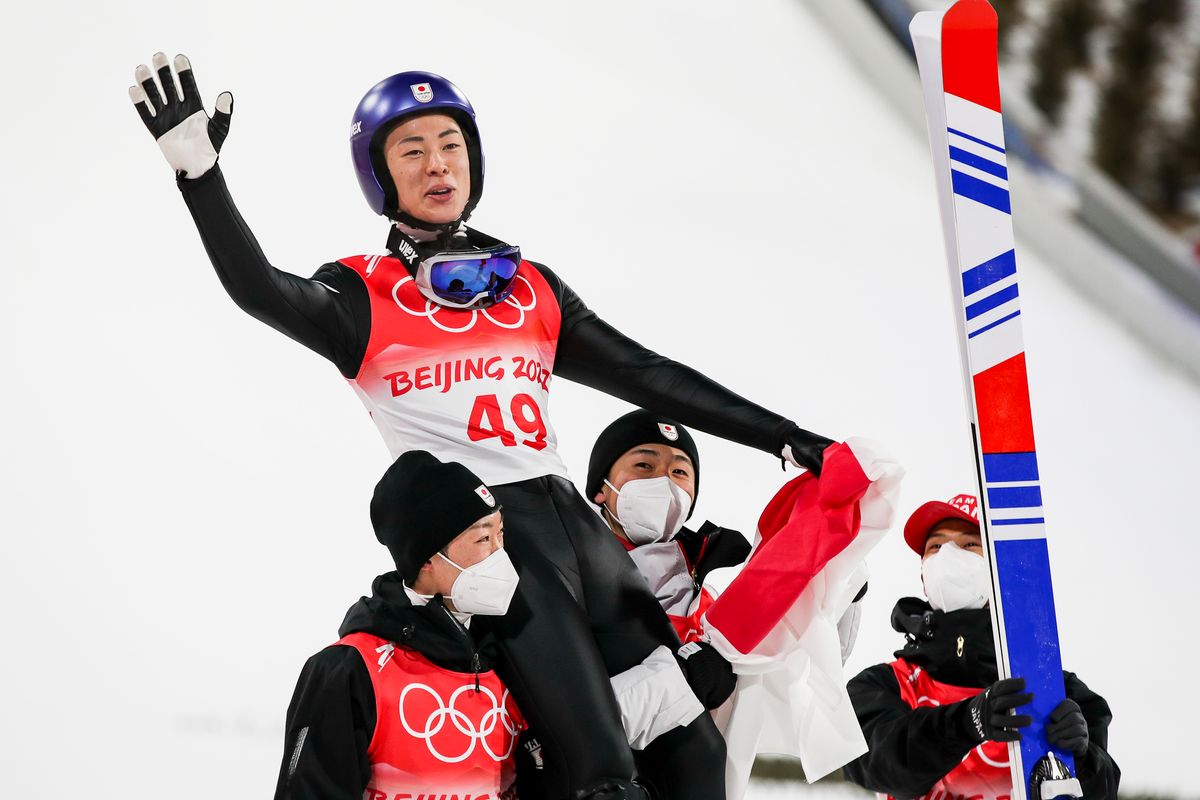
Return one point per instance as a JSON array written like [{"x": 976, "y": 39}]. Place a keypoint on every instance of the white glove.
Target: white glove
[
  {"x": 654, "y": 697},
  {"x": 184, "y": 132}
]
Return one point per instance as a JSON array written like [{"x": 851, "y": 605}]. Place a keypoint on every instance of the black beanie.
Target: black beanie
[
  {"x": 626, "y": 433},
  {"x": 421, "y": 505}
]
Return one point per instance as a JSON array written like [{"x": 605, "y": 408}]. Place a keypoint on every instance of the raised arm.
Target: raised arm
[
  {"x": 329, "y": 313},
  {"x": 594, "y": 353}
]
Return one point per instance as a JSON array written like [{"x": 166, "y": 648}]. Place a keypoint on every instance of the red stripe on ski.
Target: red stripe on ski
[
  {"x": 969, "y": 53},
  {"x": 1002, "y": 401}
]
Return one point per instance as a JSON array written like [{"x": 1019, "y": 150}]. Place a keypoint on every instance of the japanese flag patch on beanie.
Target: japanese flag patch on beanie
[
  {"x": 422, "y": 504},
  {"x": 627, "y": 432}
]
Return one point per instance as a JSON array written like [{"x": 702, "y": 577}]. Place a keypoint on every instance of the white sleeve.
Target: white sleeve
[{"x": 654, "y": 698}]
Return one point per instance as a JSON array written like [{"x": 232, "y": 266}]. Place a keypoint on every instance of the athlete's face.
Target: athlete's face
[
  {"x": 652, "y": 460},
  {"x": 427, "y": 158},
  {"x": 467, "y": 549},
  {"x": 959, "y": 531}
]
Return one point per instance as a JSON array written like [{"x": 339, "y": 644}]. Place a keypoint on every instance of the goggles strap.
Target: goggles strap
[{"x": 406, "y": 248}]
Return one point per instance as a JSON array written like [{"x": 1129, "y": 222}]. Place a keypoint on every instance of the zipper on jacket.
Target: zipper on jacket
[
  {"x": 476, "y": 663},
  {"x": 696, "y": 566},
  {"x": 960, "y": 647}
]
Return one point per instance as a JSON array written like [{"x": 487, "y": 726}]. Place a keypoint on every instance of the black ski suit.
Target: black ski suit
[
  {"x": 582, "y": 612},
  {"x": 909, "y": 750}
]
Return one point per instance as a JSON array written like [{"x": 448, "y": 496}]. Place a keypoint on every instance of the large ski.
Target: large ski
[{"x": 957, "y": 55}]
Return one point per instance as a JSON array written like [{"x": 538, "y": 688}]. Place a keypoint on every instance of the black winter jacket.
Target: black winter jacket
[
  {"x": 331, "y": 718},
  {"x": 911, "y": 750}
]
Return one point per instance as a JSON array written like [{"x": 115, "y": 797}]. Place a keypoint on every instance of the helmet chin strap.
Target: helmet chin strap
[
  {"x": 421, "y": 230},
  {"x": 424, "y": 235}
]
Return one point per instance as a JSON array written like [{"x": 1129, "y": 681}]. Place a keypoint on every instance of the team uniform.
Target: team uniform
[
  {"x": 473, "y": 385},
  {"x": 675, "y": 571},
  {"x": 462, "y": 368},
  {"x": 912, "y": 715},
  {"x": 406, "y": 704}
]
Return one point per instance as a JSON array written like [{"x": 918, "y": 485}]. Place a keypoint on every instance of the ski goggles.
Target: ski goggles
[{"x": 469, "y": 278}]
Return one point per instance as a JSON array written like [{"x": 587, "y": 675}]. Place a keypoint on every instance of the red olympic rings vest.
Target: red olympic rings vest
[
  {"x": 984, "y": 773},
  {"x": 435, "y": 734},
  {"x": 471, "y": 386}
]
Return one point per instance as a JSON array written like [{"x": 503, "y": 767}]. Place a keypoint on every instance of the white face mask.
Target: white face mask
[
  {"x": 956, "y": 579},
  {"x": 485, "y": 588},
  {"x": 651, "y": 509}
]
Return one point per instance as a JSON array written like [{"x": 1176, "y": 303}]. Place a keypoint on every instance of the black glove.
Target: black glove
[
  {"x": 708, "y": 673},
  {"x": 184, "y": 132},
  {"x": 1067, "y": 729},
  {"x": 804, "y": 449},
  {"x": 990, "y": 717}
]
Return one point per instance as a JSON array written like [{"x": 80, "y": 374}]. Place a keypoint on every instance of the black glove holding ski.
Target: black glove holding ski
[
  {"x": 989, "y": 715},
  {"x": 176, "y": 117},
  {"x": 804, "y": 449},
  {"x": 1067, "y": 729},
  {"x": 708, "y": 673}
]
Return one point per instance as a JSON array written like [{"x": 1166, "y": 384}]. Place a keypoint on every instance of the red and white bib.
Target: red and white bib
[
  {"x": 471, "y": 386},
  {"x": 984, "y": 773},
  {"x": 435, "y": 734}
]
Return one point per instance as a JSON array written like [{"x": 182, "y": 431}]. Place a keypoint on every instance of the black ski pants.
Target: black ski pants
[{"x": 582, "y": 612}]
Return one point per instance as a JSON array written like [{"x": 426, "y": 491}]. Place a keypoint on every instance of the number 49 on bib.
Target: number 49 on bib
[{"x": 488, "y": 421}]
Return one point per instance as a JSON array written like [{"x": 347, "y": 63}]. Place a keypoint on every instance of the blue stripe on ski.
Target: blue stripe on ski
[
  {"x": 989, "y": 272},
  {"x": 1026, "y": 521},
  {"x": 992, "y": 325},
  {"x": 978, "y": 162},
  {"x": 980, "y": 191},
  {"x": 1014, "y": 497},
  {"x": 975, "y": 139},
  {"x": 1031, "y": 637},
  {"x": 992, "y": 301},
  {"x": 1010, "y": 467}
]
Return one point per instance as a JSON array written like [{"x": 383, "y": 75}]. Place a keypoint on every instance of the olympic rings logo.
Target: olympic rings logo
[
  {"x": 432, "y": 308},
  {"x": 983, "y": 756},
  {"x": 496, "y": 715}
]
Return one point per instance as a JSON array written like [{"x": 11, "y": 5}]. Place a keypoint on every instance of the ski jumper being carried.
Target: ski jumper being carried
[{"x": 451, "y": 339}]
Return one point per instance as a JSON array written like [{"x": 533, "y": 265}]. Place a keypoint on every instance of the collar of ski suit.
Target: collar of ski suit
[
  {"x": 955, "y": 647},
  {"x": 430, "y": 629}
]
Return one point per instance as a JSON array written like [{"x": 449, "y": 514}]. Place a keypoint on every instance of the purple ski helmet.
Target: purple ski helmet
[{"x": 382, "y": 108}]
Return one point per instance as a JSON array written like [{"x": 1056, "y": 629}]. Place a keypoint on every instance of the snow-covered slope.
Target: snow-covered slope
[{"x": 185, "y": 491}]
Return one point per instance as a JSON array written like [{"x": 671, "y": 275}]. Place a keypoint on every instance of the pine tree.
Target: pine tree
[
  {"x": 1063, "y": 46},
  {"x": 1177, "y": 164},
  {"x": 1011, "y": 14},
  {"x": 1127, "y": 103}
]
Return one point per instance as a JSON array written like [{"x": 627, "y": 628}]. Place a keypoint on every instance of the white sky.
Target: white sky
[{"x": 185, "y": 491}]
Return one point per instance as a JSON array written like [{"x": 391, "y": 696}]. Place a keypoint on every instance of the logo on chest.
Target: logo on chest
[
  {"x": 451, "y": 733},
  {"x": 510, "y": 314}
]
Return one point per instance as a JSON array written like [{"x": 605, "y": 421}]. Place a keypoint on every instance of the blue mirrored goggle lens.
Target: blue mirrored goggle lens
[{"x": 462, "y": 280}]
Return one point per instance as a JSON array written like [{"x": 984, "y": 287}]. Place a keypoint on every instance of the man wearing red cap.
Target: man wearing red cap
[{"x": 937, "y": 719}]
